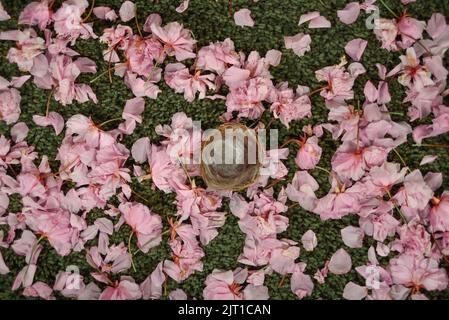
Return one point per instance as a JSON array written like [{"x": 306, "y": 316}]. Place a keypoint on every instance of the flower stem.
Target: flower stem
[
  {"x": 47, "y": 109},
  {"x": 90, "y": 12},
  {"x": 108, "y": 121},
  {"x": 322, "y": 169},
  {"x": 129, "y": 250},
  {"x": 395, "y": 206},
  {"x": 388, "y": 8},
  {"x": 137, "y": 24}
]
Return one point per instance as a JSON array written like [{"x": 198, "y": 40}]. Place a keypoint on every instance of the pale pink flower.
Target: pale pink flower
[
  {"x": 413, "y": 74},
  {"x": 68, "y": 21},
  {"x": 287, "y": 106},
  {"x": 178, "y": 77},
  {"x": 28, "y": 53},
  {"x": 222, "y": 285},
  {"x": 186, "y": 260},
  {"x": 218, "y": 56},
  {"x": 415, "y": 193},
  {"x": 282, "y": 260},
  {"x": 309, "y": 153},
  {"x": 417, "y": 272},
  {"x": 146, "y": 225},
  {"x": 413, "y": 239},
  {"x": 125, "y": 289},
  {"x": 339, "y": 83},
  {"x": 247, "y": 99},
  {"x": 386, "y": 31},
  {"x": 142, "y": 54},
  {"x": 177, "y": 41},
  {"x": 36, "y": 13},
  {"x": 338, "y": 203}
]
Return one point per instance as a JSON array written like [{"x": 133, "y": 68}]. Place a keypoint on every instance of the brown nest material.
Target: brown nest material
[{"x": 243, "y": 169}]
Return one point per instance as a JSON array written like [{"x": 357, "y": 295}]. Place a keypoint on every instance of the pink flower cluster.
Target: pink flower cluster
[{"x": 403, "y": 210}]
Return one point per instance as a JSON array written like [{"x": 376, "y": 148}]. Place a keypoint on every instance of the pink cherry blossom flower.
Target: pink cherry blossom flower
[
  {"x": 282, "y": 260},
  {"x": 338, "y": 203},
  {"x": 413, "y": 239},
  {"x": 218, "y": 56},
  {"x": 186, "y": 260},
  {"x": 339, "y": 83},
  {"x": 28, "y": 51},
  {"x": 69, "y": 23},
  {"x": 386, "y": 31},
  {"x": 417, "y": 272},
  {"x": 144, "y": 224},
  {"x": 201, "y": 207},
  {"x": 177, "y": 41},
  {"x": 142, "y": 54},
  {"x": 352, "y": 236},
  {"x": 178, "y": 77},
  {"x": 287, "y": 106},
  {"x": 221, "y": 285},
  {"x": 36, "y": 13},
  {"x": 416, "y": 193},
  {"x": 309, "y": 153},
  {"x": 125, "y": 289}
]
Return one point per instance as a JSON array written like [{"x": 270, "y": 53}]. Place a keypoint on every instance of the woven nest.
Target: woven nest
[{"x": 236, "y": 175}]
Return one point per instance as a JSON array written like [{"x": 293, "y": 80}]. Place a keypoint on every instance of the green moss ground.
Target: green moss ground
[{"x": 209, "y": 21}]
